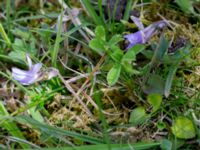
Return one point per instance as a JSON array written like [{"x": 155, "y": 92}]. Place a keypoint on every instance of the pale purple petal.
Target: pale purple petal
[
  {"x": 143, "y": 36},
  {"x": 19, "y": 74},
  {"x": 137, "y": 22},
  {"x": 134, "y": 38},
  {"x": 34, "y": 74},
  {"x": 36, "y": 68},
  {"x": 27, "y": 77},
  {"x": 148, "y": 33},
  {"x": 29, "y": 61}
]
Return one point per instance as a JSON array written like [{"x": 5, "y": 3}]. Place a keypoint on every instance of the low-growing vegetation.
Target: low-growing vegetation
[{"x": 104, "y": 74}]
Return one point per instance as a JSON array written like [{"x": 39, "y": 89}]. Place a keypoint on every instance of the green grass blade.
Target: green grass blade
[
  {"x": 8, "y": 4},
  {"x": 97, "y": 97},
  {"x": 35, "y": 17},
  {"x": 100, "y": 9},
  {"x": 18, "y": 140},
  {"x": 128, "y": 10},
  {"x": 4, "y": 35},
  {"x": 90, "y": 9},
  {"x": 55, "y": 131},
  {"x": 136, "y": 146},
  {"x": 57, "y": 43},
  {"x": 35, "y": 113},
  {"x": 169, "y": 80},
  {"x": 160, "y": 51},
  {"x": 10, "y": 126}
]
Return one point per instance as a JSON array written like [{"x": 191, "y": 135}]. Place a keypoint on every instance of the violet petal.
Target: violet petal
[
  {"x": 36, "y": 68},
  {"x": 143, "y": 36},
  {"x": 27, "y": 77},
  {"x": 137, "y": 22},
  {"x": 134, "y": 38},
  {"x": 29, "y": 61}
]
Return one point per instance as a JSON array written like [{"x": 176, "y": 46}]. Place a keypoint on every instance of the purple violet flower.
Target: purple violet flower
[
  {"x": 30, "y": 76},
  {"x": 144, "y": 34},
  {"x": 34, "y": 74}
]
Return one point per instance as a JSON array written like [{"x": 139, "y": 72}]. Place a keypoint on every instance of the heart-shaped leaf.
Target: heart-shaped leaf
[
  {"x": 183, "y": 128},
  {"x": 186, "y": 6},
  {"x": 138, "y": 116},
  {"x": 155, "y": 100}
]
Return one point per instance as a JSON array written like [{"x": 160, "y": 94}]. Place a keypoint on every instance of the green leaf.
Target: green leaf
[
  {"x": 160, "y": 51},
  {"x": 129, "y": 56},
  {"x": 91, "y": 11},
  {"x": 113, "y": 74},
  {"x": 18, "y": 56},
  {"x": 138, "y": 48},
  {"x": 115, "y": 39},
  {"x": 183, "y": 128},
  {"x": 169, "y": 80},
  {"x": 4, "y": 35},
  {"x": 178, "y": 56},
  {"x": 23, "y": 34},
  {"x": 97, "y": 46},
  {"x": 116, "y": 53},
  {"x": 35, "y": 113},
  {"x": 100, "y": 33},
  {"x": 128, "y": 67},
  {"x": 128, "y": 9},
  {"x": 155, "y": 100},
  {"x": 134, "y": 146},
  {"x": 132, "y": 52},
  {"x": 186, "y": 6},
  {"x": 155, "y": 84},
  {"x": 138, "y": 116},
  {"x": 20, "y": 45},
  {"x": 166, "y": 144},
  {"x": 56, "y": 132}
]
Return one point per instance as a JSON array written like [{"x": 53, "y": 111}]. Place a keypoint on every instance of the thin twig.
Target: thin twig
[
  {"x": 67, "y": 85},
  {"x": 92, "y": 74}
]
